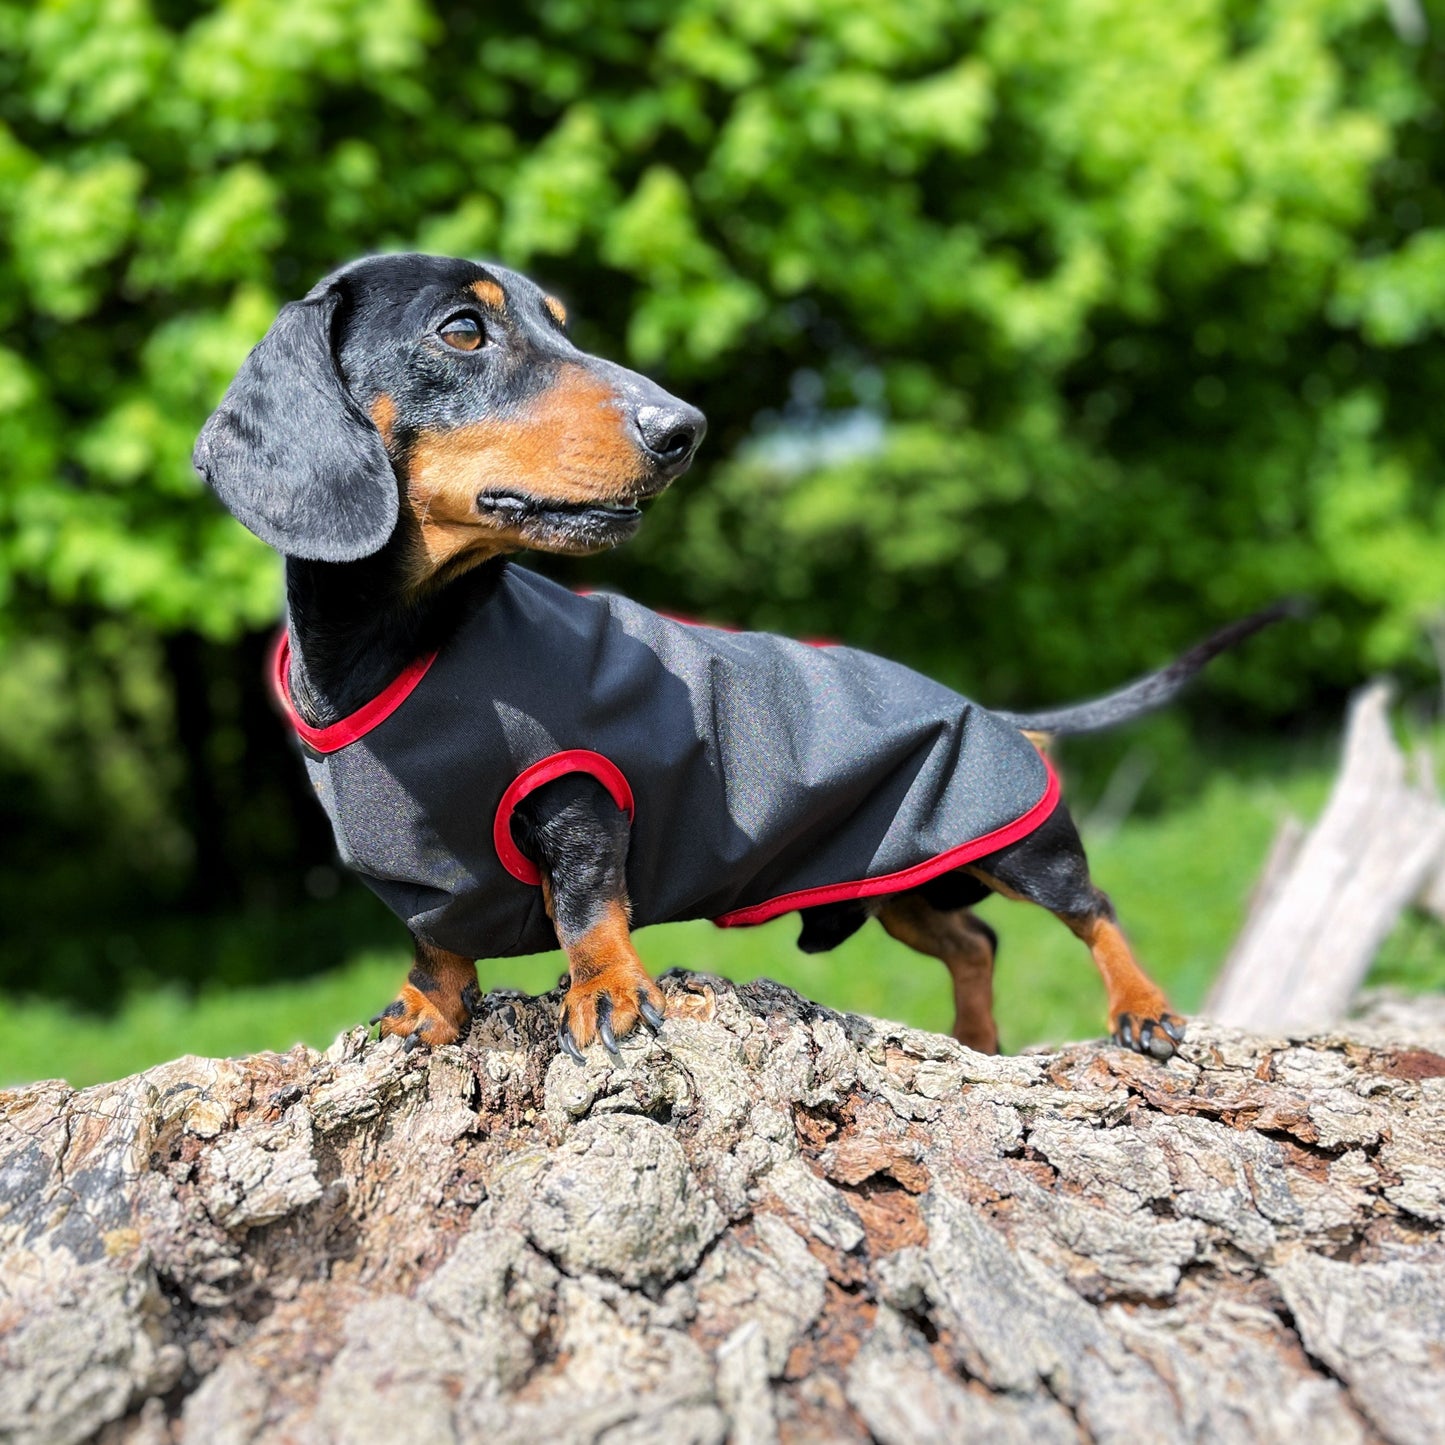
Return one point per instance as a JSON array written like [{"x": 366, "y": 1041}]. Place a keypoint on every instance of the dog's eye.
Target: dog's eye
[{"x": 463, "y": 332}]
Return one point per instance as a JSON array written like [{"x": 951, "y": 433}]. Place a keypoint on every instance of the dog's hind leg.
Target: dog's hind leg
[
  {"x": 1049, "y": 868},
  {"x": 578, "y": 837},
  {"x": 436, "y": 1001},
  {"x": 966, "y": 946}
]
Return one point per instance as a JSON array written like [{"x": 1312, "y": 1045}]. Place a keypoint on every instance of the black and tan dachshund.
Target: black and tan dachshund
[{"x": 396, "y": 436}]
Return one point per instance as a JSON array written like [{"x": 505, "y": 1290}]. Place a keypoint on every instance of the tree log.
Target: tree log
[
  {"x": 1432, "y": 900},
  {"x": 774, "y": 1222},
  {"x": 1329, "y": 897}
]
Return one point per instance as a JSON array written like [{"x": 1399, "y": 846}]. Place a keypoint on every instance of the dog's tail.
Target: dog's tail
[{"x": 1154, "y": 690}]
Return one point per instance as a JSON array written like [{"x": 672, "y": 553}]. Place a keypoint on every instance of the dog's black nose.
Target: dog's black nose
[{"x": 671, "y": 433}]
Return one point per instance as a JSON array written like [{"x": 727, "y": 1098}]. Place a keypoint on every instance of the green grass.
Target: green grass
[{"x": 1180, "y": 882}]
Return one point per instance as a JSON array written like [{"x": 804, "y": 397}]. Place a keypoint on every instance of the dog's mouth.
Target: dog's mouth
[{"x": 558, "y": 525}]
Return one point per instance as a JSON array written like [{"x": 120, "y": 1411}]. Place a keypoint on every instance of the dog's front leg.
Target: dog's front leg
[{"x": 578, "y": 837}]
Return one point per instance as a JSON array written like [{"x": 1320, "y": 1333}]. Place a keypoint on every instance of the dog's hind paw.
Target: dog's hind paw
[{"x": 1155, "y": 1037}]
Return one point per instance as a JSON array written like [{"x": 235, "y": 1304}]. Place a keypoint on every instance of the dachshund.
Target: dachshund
[{"x": 512, "y": 765}]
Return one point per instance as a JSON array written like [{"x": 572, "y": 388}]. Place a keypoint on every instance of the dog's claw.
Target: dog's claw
[
  {"x": 1157, "y": 1044},
  {"x": 1161, "y": 1048},
  {"x": 393, "y": 1010},
  {"x": 651, "y": 1014},
  {"x": 567, "y": 1043},
  {"x": 604, "y": 1027},
  {"x": 1155, "y": 1038},
  {"x": 413, "y": 1041}
]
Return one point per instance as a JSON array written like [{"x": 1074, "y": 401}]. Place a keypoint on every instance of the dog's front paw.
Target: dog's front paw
[
  {"x": 437, "y": 1001},
  {"x": 1155, "y": 1037},
  {"x": 422, "y": 1018},
  {"x": 607, "y": 1007}
]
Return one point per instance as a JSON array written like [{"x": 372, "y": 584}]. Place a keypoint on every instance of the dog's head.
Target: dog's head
[{"x": 443, "y": 400}]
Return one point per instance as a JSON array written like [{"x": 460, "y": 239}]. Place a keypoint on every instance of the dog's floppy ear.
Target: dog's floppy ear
[{"x": 289, "y": 451}]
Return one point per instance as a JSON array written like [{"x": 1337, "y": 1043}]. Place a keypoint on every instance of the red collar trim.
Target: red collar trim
[{"x": 369, "y": 715}]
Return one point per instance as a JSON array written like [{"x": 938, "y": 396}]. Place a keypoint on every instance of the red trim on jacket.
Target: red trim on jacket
[
  {"x": 580, "y": 760},
  {"x": 905, "y": 878},
  {"x": 356, "y": 725},
  {"x": 576, "y": 760}
]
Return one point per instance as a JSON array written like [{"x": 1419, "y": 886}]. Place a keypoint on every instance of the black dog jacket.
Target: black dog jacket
[{"x": 761, "y": 774}]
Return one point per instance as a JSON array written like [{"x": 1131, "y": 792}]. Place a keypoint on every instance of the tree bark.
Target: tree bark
[{"x": 774, "y": 1222}]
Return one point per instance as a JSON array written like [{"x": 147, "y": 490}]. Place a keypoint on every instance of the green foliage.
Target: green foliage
[
  {"x": 1113, "y": 272},
  {"x": 1035, "y": 338}
]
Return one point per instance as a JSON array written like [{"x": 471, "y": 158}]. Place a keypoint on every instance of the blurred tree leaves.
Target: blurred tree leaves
[
  {"x": 964, "y": 198},
  {"x": 1035, "y": 338}
]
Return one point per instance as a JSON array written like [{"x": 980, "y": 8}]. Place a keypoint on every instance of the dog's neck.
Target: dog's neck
[{"x": 354, "y": 626}]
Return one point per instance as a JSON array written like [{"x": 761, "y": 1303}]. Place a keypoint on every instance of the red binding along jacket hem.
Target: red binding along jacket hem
[
  {"x": 907, "y": 877},
  {"x": 577, "y": 760},
  {"x": 356, "y": 725}
]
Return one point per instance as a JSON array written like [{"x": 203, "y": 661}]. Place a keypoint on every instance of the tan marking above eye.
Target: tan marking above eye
[
  {"x": 489, "y": 294},
  {"x": 555, "y": 309},
  {"x": 383, "y": 417},
  {"x": 463, "y": 333}
]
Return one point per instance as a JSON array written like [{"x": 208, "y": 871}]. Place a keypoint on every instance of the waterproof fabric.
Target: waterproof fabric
[{"x": 765, "y": 774}]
